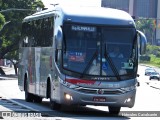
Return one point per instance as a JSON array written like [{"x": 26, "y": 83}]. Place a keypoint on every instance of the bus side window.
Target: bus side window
[
  {"x": 34, "y": 36},
  {"x": 25, "y": 34},
  {"x": 37, "y": 33},
  {"x": 47, "y": 32},
  {"x": 31, "y": 39},
  {"x": 42, "y": 32}
]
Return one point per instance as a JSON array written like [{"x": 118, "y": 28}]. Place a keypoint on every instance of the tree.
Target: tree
[
  {"x": 10, "y": 34},
  {"x": 10, "y": 56},
  {"x": 2, "y": 21},
  {"x": 147, "y": 27}
]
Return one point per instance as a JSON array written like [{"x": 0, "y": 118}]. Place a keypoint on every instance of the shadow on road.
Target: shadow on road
[{"x": 78, "y": 112}]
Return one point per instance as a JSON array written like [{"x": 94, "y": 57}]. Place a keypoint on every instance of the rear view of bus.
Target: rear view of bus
[{"x": 84, "y": 70}]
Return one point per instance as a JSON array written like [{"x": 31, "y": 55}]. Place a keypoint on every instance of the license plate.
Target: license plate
[{"x": 99, "y": 99}]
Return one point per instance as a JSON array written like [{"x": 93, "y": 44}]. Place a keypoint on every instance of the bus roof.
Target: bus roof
[
  {"x": 90, "y": 15},
  {"x": 97, "y": 15}
]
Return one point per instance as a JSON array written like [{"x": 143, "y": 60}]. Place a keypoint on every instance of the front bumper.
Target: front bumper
[{"x": 118, "y": 99}]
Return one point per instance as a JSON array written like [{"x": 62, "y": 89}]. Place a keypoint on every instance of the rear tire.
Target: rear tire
[
  {"x": 28, "y": 96},
  {"x": 114, "y": 110},
  {"x": 37, "y": 99}
]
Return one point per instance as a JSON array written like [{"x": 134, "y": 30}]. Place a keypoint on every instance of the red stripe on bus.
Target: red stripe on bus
[{"x": 80, "y": 81}]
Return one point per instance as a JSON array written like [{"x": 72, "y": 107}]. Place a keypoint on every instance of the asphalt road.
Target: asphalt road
[{"x": 147, "y": 101}]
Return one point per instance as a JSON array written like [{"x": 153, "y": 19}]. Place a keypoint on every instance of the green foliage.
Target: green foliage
[
  {"x": 2, "y": 21},
  {"x": 152, "y": 49},
  {"x": 10, "y": 35},
  {"x": 154, "y": 59},
  {"x": 147, "y": 27},
  {"x": 145, "y": 58},
  {"x": 154, "y": 53},
  {"x": 12, "y": 55},
  {"x": 36, "y": 4},
  {"x": 158, "y": 54}
]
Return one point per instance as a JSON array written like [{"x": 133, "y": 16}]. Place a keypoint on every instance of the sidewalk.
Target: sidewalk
[{"x": 10, "y": 73}]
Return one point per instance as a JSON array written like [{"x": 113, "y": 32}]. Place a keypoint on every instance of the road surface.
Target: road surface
[{"x": 147, "y": 103}]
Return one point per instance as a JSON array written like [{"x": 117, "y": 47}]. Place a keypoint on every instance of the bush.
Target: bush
[
  {"x": 145, "y": 58},
  {"x": 158, "y": 54}
]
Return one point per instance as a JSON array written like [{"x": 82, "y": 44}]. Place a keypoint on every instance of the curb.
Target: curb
[{"x": 8, "y": 77}]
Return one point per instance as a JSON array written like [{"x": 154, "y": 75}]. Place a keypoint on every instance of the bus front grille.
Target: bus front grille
[{"x": 100, "y": 91}]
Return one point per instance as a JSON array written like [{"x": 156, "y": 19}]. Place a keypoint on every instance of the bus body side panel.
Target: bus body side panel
[
  {"x": 56, "y": 86},
  {"x": 23, "y": 66},
  {"x": 37, "y": 69},
  {"x": 27, "y": 67},
  {"x": 44, "y": 69},
  {"x": 31, "y": 70}
]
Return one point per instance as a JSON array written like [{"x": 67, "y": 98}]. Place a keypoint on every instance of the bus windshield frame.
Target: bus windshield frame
[{"x": 87, "y": 51}]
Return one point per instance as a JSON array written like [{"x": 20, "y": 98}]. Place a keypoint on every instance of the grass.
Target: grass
[{"x": 154, "y": 61}]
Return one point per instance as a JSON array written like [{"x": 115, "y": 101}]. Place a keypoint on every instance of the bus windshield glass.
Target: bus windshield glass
[{"x": 99, "y": 51}]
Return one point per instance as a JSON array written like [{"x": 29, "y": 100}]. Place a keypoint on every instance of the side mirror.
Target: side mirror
[
  {"x": 59, "y": 38},
  {"x": 142, "y": 41}
]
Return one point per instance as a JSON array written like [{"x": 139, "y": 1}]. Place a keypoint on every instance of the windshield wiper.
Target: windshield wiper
[
  {"x": 114, "y": 69},
  {"x": 90, "y": 62}
]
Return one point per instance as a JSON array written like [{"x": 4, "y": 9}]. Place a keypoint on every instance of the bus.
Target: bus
[{"x": 64, "y": 55}]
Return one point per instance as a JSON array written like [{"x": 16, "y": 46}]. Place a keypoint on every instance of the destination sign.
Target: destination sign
[{"x": 83, "y": 28}]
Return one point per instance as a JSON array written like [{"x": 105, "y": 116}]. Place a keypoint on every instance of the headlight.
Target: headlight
[{"x": 127, "y": 89}]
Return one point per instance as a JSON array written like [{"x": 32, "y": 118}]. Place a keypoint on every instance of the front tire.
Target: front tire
[
  {"x": 53, "y": 104},
  {"x": 114, "y": 110}
]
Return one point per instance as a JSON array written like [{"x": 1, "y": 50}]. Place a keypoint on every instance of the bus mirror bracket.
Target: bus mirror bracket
[
  {"x": 142, "y": 42},
  {"x": 59, "y": 38}
]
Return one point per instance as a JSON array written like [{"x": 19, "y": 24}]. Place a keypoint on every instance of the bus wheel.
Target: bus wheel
[
  {"x": 37, "y": 99},
  {"x": 28, "y": 96},
  {"x": 114, "y": 110},
  {"x": 53, "y": 104}
]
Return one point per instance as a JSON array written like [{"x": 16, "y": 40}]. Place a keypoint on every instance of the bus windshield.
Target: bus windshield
[{"x": 99, "y": 51}]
